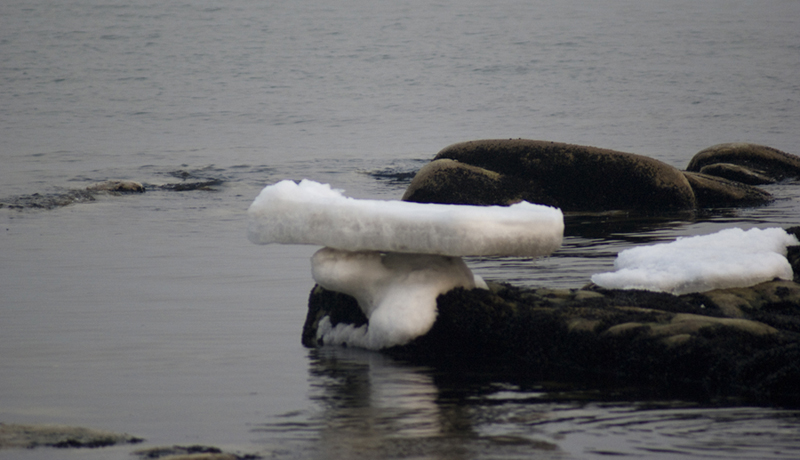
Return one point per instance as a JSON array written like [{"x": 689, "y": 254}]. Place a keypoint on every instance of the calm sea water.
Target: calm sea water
[{"x": 153, "y": 314}]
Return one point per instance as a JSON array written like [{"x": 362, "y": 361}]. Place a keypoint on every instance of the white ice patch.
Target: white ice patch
[
  {"x": 313, "y": 213},
  {"x": 726, "y": 259},
  {"x": 397, "y": 293}
]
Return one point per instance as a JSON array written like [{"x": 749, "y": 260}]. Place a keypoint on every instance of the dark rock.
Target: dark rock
[
  {"x": 735, "y": 344},
  {"x": 192, "y": 453},
  {"x": 452, "y": 182},
  {"x": 715, "y": 192},
  {"x": 117, "y": 186},
  {"x": 737, "y": 173},
  {"x": 57, "y": 200},
  {"x": 109, "y": 187},
  {"x": 571, "y": 177},
  {"x": 340, "y": 308},
  {"x": 48, "y": 201},
  {"x": 206, "y": 185},
  {"x": 767, "y": 161},
  {"x": 14, "y": 436}
]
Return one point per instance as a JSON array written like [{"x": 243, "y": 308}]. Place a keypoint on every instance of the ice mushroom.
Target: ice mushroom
[
  {"x": 395, "y": 257},
  {"x": 396, "y": 291}
]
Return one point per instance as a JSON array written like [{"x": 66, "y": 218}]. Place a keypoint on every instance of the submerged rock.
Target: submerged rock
[
  {"x": 192, "y": 453},
  {"x": 752, "y": 162},
  {"x": 13, "y": 436},
  {"x": 571, "y": 177},
  {"x": 204, "y": 185},
  {"x": 57, "y": 200},
  {"x": 109, "y": 187}
]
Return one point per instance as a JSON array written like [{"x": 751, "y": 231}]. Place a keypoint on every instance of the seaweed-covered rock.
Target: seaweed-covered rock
[
  {"x": 755, "y": 159},
  {"x": 14, "y": 436},
  {"x": 733, "y": 343},
  {"x": 571, "y": 177}
]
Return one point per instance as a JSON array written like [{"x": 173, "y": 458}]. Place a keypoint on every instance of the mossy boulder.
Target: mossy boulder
[
  {"x": 571, "y": 177},
  {"x": 744, "y": 162},
  {"x": 574, "y": 178}
]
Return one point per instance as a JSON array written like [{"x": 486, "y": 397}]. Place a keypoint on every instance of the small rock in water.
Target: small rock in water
[
  {"x": 117, "y": 186},
  {"x": 13, "y": 436},
  {"x": 192, "y": 453}
]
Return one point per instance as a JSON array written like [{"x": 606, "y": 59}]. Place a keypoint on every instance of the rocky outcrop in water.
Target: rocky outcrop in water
[
  {"x": 739, "y": 344},
  {"x": 571, "y": 177},
  {"x": 14, "y": 436},
  {"x": 666, "y": 345},
  {"x": 32, "y": 436},
  {"x": 108, "y": 188},
  {"x": 196, "y": 452},
  {"x": 57, "y": 200},
  {"x": 746, "y": 163}
]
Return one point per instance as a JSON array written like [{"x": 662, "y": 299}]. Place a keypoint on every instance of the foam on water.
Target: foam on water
[
  {"x": 313, "y": 213},
  {"x": 729, "y": 258}
]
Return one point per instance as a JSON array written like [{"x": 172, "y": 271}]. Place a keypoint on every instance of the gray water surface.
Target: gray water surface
[{"x": 152, "y": 314}]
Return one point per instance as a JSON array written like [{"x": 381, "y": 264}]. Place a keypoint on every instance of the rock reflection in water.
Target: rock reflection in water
[
  {"x": 367, "y": 405},
  {"x": 370, "y": 406}
]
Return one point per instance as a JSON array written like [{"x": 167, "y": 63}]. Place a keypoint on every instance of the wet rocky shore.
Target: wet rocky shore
[
  {"x": 738, "y": 345},
  {"x": 726, "y": 346},
  {"x": 31, "y": 436}
]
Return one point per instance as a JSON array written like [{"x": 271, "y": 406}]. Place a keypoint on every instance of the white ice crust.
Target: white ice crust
[
  {"x": 313, "y": 213},
  {"x": 726, "y": 259},
  {"x": 397, "y": 292}
]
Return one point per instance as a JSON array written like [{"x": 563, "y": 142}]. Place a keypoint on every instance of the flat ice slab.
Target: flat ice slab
[
  {"x": 726, "y": 259},
  {"x": 313, "y": 213}
]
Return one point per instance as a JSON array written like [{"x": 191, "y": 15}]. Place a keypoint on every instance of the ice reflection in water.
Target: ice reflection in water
[{"x": 367, "y": 405}]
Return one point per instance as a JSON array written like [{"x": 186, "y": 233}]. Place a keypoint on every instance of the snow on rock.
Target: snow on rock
[
  {"x": 397, "y": 293},
  {"x": 726, "y": 259},
  {"x": 313, "y": 213}
]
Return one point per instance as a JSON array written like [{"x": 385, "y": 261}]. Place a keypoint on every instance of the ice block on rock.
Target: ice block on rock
[{"x": 313, "y": 213}]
